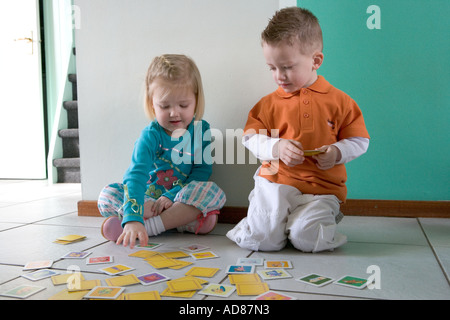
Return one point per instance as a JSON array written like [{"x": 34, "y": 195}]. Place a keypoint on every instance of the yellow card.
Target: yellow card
[
  {"x": 309, "y": 153},
  {"x": 62, "y": 242},
  {"x": 166, "y": 263},
  {"x": 148, "y": 295},
  {"x": 202, "y": 272},
  {"x": 83, "y": 285},
  {"x": 121, "y": 281},
  {"x": 117, "y": 269},
  {"x": 244, "y": 278},
  {"x": 69, "y": 239},
  {"x": 201, "y": 281},
  {"x": 67, "y": 295},
  {"x": 155, "y": 257},
  {"x": 181, "y": 264},
  {"x": 143, "y": 254},
  {"x": 175, "y": 254},
  {"x": 251, "y": 289},
  {"x": 63, "y": 278},
  {"x": 184, "y": 285},
  {"x": 182, "y": 294}
]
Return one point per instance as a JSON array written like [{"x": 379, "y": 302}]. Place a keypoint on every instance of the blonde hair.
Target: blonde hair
[
  {"x": 294, "y": 24},
  {"x": 174, "y": 71}
]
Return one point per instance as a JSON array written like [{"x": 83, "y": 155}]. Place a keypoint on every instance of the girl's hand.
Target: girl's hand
[
  {"x": 328, "y": 159},
  {"x": 289, "y": 151},
  {"x": 160, "y": 205},
  {"x": 133, "y": 230}
]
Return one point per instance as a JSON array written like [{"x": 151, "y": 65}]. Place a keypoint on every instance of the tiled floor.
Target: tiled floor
[{"x": 412, "y": 255}]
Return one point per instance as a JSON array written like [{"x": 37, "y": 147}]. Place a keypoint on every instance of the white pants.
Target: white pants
[{"x": 280, "y": 212}]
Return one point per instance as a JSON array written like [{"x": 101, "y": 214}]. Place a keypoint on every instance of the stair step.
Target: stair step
[
  {"x": 72, "y": 113},
  {"x": 70, "y": 142},
  {"x": 73, "y": 79},
  {"x": 69, "y": 133},
  {"x": 67, "y": 163},
  {"x": 68, "y": 170}
]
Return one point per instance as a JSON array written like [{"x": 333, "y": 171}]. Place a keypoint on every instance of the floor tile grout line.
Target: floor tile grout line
[
  {"x": 38, "y": 222},
  {"x": 58, "y": 196},
  {"x": 434, "y": 252}
]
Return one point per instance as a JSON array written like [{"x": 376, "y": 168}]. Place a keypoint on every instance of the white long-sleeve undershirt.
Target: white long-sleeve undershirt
[{"x": 262, "y": 147}]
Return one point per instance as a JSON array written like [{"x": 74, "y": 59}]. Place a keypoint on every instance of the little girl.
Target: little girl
[{"x": 166, "y": 185}]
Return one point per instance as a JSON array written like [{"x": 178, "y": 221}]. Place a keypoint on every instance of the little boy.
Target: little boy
[{"x": 297, "y": 194}]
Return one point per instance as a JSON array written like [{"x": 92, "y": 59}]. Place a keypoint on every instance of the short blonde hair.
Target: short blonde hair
[
  {"x": 294, "y": 25},
  {"x": 174, "y": 71}
]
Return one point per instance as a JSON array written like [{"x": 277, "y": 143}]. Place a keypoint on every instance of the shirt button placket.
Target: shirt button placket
[{"x": 307, "y": 123}]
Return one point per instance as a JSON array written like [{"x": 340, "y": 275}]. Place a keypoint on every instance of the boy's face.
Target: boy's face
[{"x": 291, "y": 69}]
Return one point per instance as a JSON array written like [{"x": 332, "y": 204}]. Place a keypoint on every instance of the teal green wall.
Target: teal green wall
[{"x": 399, "y": 75}]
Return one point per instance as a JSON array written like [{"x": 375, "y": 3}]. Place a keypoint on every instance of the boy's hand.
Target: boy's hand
[
  {"x": 289, "y": 151},
  {"x": 131, "y": 231},
  {"x": 328, "y": 159}
]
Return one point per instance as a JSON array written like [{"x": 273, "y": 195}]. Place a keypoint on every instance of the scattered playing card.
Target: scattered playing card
[
  {"x": 272, "y": 264},
  {"x": 148, "y": 295},
  {"x": 185, "y": 284},
  {"x": 84, "y": 285},
  {"x": 104, "y": 293},
  {"x": 204, "y": 255},
  {"x": 67, "y": 278},
  {"x": 175, "y": 254},
  {"x": 40, "y": 274},
  {"x": 218, "y": 290},
  {"x": 152, "y": 278},
  {"x": 38, "y": 265},
  {"x": 150, "y": 245},
  {"x": 202, "y": 272},
  {"x": 122, "y": 281},
  {"x": 194, "y": 248},
  {"x": 181, "y": 294},
  {"x": 76, "y": 255},
  {"x": 117, "y": 269},
  {"x": 255, "y": 261},
  {"x": 99, "y": 260},
  {"x": 144, "y": 254},
  {"x": 352, "y": 282},
  {"x": 272, "y": 295},
  {"x": 22, "y": 292},
  {"x": 274, "y": 274},
  {"x": 69, "y": 239},
  {"x": 244, "y": 278},
  {"x": 251, "y": 289},
  {"x": 315, "y": 280},
  {"x": 240, "y": 269}
]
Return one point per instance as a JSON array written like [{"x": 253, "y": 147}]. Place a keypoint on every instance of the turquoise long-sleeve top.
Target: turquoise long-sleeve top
[{"x": 161, "y": 166}]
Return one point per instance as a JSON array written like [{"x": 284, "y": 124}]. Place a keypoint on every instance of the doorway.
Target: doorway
[{"x": 22, "y": 124}]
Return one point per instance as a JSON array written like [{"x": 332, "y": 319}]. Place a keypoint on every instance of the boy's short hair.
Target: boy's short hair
[
  {"x": 174, "y": 71},
  {"x": 294, "y": 24}
]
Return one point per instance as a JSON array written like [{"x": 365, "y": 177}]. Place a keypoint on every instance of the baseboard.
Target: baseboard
[{"x": 376, "y": 208}]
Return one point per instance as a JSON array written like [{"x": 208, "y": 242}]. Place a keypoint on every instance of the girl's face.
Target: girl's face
[{"x": 174, "y": 109}]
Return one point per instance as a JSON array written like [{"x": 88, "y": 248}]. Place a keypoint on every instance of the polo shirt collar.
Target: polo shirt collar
[{"x": 321, "y": 86}]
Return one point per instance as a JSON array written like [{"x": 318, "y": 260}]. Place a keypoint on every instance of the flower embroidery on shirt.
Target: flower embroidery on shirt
[
  {"x": 153, "y": 192},
  {"x": 166, "y": 179}
]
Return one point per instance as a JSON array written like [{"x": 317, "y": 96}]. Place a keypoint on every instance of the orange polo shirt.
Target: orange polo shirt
[{"x": 316, "y": 116}]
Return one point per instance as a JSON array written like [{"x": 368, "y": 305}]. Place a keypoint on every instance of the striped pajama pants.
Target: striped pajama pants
[{"x": 204, "y": 195}]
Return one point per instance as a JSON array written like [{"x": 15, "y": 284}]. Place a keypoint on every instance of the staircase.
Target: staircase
[{"x": 68, "y": 167}]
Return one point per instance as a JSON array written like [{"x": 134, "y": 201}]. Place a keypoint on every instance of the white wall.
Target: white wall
[{"x": 115, "y": 45}]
